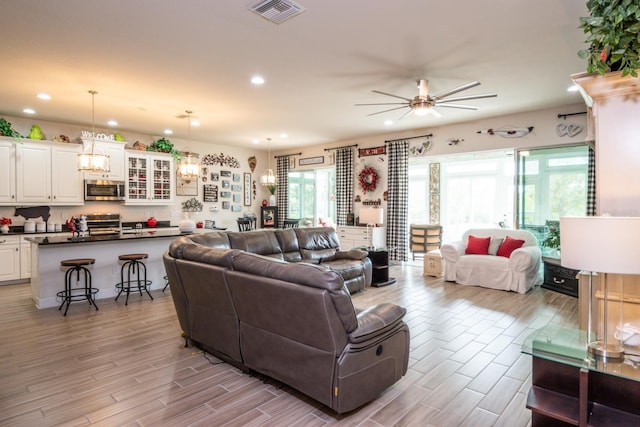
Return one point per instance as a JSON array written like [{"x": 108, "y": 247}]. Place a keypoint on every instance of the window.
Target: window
[
  {"x": 312, "y": 195},
  {"x": 476, "y": 191},
  {"x": 552, "y": 182}
]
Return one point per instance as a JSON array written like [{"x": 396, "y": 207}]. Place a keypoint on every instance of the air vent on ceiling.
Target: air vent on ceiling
[{"x": 276, "y": 11}]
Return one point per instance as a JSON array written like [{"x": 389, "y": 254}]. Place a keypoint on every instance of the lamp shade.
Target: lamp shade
[
  {"x": 371, "y": 216},
  {"x": 602, "y": 244}
]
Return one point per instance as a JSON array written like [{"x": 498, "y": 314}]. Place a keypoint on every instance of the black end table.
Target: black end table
[{"x": 380, "y": 261}]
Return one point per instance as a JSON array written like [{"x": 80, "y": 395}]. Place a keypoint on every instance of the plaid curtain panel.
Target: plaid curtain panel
[
  {"x": 282, "y": 169},
  {"x": 344, "y": 184},
  {"x": 398, "y": 199},
  {"x": 591, "y": 184}
]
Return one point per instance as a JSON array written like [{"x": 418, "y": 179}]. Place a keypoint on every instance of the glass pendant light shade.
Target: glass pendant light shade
[
  {"x": 93, "y": 159},
  {"x": 189, "y": 167},
  {"x": 268, "y": 177}
]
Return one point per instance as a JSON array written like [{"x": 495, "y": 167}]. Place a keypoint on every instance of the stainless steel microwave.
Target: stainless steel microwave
[{"x": 100, "y": 190}]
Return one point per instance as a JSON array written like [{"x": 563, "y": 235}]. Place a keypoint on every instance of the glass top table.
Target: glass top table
[{"x": 569, "y": 346}]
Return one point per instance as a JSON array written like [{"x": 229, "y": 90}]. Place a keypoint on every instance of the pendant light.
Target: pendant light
[
  {"x": 268, "y": 178},
  {"x": 93, "y": 160},
  {"x": 189, "y": 167}
]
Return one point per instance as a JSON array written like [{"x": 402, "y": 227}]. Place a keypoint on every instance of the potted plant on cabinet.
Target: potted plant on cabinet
[{"x": 612, "y": 29}]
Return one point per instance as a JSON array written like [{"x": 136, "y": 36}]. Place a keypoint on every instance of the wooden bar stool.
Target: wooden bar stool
[
  {"x": 134, "y": 266},
  {"x": 76, "y": 293}
]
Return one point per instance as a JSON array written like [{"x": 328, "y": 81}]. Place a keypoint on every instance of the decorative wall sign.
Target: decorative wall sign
[
  {"x": 210, "y": 193},
  {"x": 374, "y": 151},
  {"x": 247, "y": 189},
  {"x": 225, "y": 183},
  {"x": 236, "y": 208},
  {"x": 220, "y": 159},
  {"x": 419, "y": 149},
  {"x": 508, "y": 132},
  {"x": 311, "y": 161},
  {"x": 236, "y": 187},
  {"x": 215, "y": 176},
  {"x": 226, "y": 174},
  {"x": 236, "y": 177},
  {"x": 253, "y": 162},
  {"x": 225, "y": 205},
  {"x": 236, "y": 198},
  {"x": 225, "y": 194}
]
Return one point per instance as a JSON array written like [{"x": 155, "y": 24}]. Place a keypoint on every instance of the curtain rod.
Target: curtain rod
[
  {"x": 337, "y": 148},
  {"x": 564, "y": 116},
  {"x": 287, "y": 155},
  {"x": 429, "y": 135}
]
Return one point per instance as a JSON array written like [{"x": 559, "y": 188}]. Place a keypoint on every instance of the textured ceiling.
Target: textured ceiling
[{"x": 150, "y": 60}]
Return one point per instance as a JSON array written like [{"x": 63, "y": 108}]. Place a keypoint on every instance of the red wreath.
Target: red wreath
[{"x": 368, "y": 179}]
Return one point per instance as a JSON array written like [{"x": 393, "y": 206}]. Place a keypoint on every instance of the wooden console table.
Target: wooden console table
[{"x": 569, "y": 388}]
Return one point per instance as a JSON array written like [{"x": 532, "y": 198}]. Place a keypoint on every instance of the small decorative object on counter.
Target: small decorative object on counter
[
  {"x": 152, "y": 222},
  {"x": 4, "y": 227}
]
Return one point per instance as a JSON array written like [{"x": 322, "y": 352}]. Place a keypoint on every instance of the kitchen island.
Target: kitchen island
[{"x": 47, "y": 277}]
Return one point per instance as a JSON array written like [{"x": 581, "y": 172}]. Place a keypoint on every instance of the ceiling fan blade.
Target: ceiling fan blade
[
  {"x": 389, "y": 94},
  {"x": 456, "y": 89},
  {"x": 384, "y": 103},
  {"x": 466, "y": 98},
  {"x": 463, "y": 107},
  {"x": 405, "y": 114},
  {"x": 386, "y": 111},
  {"x": 423, "y": 89}
]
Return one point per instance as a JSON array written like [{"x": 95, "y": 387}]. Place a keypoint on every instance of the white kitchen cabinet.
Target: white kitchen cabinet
[
  {"x": 354, "y": 237},
  {"x": 10, "y": 255},
  {"x": 48, "y": 173},
  {"x": 115, "y": 150},
  {"x": 7, "y": 172},
  {"x": 150, "y": 179}
]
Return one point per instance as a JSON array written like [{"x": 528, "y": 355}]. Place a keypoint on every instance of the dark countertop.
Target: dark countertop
[{"x": 144, "y": 234}]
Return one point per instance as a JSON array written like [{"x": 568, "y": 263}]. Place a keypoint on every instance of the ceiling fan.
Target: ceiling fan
[{"x": 424, "y": 104}]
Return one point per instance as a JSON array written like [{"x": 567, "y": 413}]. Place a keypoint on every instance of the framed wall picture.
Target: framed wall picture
[
  {"x": 210, "y": 193},
  {"x": 226, "y": 174},
  {"x": 311, "y": 161},
  {"x": 186, "y": 187},
  {"x": 247, "y": 189},
  {"x": 236, "y": 177},
  {"x": 269, "y": 216}
]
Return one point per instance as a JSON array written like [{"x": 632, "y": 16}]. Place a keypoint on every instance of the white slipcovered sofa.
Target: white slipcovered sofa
[{"x": 519, "y": 272}]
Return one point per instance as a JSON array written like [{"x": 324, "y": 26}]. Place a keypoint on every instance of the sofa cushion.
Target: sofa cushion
[
  {"x": 346, "y": 268},
  {"x": 214, "y": 239},
  {"x": 289, "y": 244},
  {"x": 508, "y": 246},
  {"x": 317, "y": 244},
  {"x": 495, "y": 245},
  {"x": 261, "y": 242},
  {"x": 478, "y": 245}
]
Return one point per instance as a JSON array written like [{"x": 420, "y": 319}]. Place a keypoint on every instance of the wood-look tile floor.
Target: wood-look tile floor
[{"x": 126, "y": 365}]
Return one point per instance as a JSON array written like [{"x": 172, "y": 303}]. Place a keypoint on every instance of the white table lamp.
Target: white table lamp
[
  {"x": 372, "y": 217},
  {"x": 607, "y": 245}
]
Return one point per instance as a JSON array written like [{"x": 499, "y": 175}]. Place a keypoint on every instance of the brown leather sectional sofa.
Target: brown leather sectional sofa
[{"x": 292, "y": 321}]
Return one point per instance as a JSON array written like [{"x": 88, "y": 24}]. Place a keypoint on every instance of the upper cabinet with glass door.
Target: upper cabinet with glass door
[{"x": 149, "y": 178}]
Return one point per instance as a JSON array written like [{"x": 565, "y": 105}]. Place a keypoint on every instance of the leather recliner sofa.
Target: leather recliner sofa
[
  {"x": 316, "y": 245},
  {"x": 294, "y": 322}
]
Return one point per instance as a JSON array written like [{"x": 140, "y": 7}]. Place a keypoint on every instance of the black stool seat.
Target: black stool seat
[
  {"x": 134, "y": 266},
  {"x": 70, "y": 293}
]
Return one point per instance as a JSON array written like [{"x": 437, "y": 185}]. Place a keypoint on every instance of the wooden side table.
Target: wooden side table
[{"x": 433, "y": 264}]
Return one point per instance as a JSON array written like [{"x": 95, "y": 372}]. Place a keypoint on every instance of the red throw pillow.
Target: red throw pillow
[
  {"x": 478, "y": 245},
  {"x": 509, "y": 245}
]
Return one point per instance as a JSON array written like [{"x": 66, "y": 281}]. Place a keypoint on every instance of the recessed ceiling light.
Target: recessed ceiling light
[
  {"x": 112, "y": 123},
  {"x": 256, "y": 141},
  {"x": 44, "y": 96},
  {"x": 388, "y": 122},
  {"x": 573, "y": 88},
  {"x": 29, "y": 111},
  {"x": 195, "y": 123},
  {"x": 257, "y": 80},
  {"x": 284, "y": 136},
  {"x": 168, "y": 132}
]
